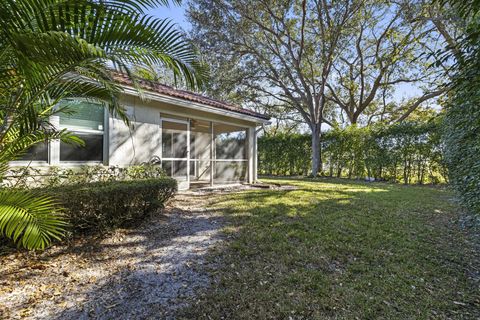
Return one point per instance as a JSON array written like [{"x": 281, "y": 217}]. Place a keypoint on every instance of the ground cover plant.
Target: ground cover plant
[
  {"x": 95, "y": 199},
  {"x": 342, "y": 249}
]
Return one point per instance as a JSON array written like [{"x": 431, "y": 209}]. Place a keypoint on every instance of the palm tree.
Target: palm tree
[{"x": 51, "y": 50}]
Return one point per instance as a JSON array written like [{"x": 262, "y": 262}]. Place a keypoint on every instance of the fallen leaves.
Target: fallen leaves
[
  {"x": 91, "y": 272},
  {"x": 38, "y": 267}
]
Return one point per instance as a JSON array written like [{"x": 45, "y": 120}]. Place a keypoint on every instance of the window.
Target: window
[
  {"x": 86, "y": 120},
  {"x": 81, "y": 115}
]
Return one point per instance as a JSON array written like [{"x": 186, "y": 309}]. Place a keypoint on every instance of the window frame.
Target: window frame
[
  {"x": 35, "y": 163},
  {"x": 53, "y": 147}
]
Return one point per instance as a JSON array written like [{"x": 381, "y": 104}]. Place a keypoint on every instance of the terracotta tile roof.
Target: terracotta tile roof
[{"x": 187, "y": 95}]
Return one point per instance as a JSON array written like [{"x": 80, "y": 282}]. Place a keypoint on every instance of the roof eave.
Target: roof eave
[{"x": 194, "y": 105}]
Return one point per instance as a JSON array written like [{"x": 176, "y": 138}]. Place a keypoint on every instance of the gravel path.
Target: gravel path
[{"x": 145, "y": 272}]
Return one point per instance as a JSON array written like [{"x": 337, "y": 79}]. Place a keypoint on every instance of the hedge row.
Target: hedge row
[
  {"x": 105, "y": 205},
  {"x": 410, "y": 152},
  {"x": 462, "y": 152}
]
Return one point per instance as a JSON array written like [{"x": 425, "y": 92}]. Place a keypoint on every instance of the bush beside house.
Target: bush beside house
[
  {"x": 97, "y": 198},
  {"x": 106, "y": 205},
  {"x": 462, "y": 155}
]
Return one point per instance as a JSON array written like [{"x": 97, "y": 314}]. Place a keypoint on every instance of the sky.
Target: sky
[{"x": 174, "y": 13}]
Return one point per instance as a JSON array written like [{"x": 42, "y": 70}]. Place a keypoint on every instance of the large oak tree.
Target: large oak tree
[{"x": 313, "y": 60}]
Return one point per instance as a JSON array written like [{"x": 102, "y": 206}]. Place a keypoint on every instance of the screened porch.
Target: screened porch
[{"x": 202, "y": 153}]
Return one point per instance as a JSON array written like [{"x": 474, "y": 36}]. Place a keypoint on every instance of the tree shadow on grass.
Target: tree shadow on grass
[
  {"x": 157, "y": 284},
  {"x": 338, "y": 251}
]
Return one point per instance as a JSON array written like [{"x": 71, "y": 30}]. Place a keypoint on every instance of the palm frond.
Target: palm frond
[
  {"x": 51, "y": 50},
  {"x": 30, "y": 220},
  {"x": 99, "y": 29}
]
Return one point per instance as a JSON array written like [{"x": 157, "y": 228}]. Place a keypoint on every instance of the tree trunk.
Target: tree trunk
[
  {"x": 331, "y": 166},
  {"x": 395, "y": 172},
  {"x": 406, "y": 170},
  {"x": 316, "y": 150}
]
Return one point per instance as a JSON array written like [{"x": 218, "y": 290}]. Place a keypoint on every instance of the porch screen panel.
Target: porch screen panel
[
  {"x": 230, "y": 154},
  {"x": 174, "y": 140},
  {"x": 227, "y": 171},
  {"x": 175, "y": 168},
  {"x": 200, "y": 150},
  {"x": 174, "y": 149}
]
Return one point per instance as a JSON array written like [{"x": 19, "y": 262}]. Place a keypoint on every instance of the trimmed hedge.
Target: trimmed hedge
[
  {"x": 462, "y": 152},
  {"x": 105, "y": 205},
  {"x": 410, "y": 152},
  {"x": 462, "y": 119}
]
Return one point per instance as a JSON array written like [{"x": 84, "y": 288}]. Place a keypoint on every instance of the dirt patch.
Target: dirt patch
[
  {"x": 242, "y": 187},
  {"x": 148, "y": 271}
]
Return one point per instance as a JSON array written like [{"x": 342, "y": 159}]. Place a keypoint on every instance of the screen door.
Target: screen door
[{"x": 175, "y": 151}]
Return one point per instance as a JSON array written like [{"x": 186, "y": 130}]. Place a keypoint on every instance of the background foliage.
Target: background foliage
[
  {"x": 407, "y": 152},
  {"x": 462, "y": 119}
]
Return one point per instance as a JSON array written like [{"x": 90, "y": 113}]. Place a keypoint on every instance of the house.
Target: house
[{"x": 197, "y": 140}]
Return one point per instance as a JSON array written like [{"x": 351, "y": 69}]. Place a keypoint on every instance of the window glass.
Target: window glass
[
  {"x": 92, "y": 151},
  {"x": 38, "y": 152},
  {"x": 82, "y": 115}
]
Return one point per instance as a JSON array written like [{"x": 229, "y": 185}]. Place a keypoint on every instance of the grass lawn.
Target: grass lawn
[{"x": 342, "y": 249}]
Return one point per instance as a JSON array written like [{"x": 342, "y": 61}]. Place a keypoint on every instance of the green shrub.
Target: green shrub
[
  {"x": 105, "y": 205},
  {"x": 99, "y": 173},
  {"x": 462, "y": 152},
  {"x": 462, "y": 119},
  {"x": 31, "y": 177}
]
